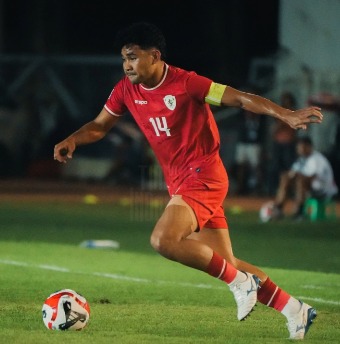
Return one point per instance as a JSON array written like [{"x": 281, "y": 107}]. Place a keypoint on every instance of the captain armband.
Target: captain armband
[{"x": 215, "y": 94}]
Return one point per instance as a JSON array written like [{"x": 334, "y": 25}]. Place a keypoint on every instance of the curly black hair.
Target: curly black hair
[{"x": 144, "y": 34}]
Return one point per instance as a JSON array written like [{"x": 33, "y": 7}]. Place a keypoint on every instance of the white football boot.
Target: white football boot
[
  {"x": 299, "y": 323},
  {"x": 245, "y": 294}
]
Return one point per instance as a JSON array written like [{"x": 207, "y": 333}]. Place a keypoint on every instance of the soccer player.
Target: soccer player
[{"x": 171, "y": 107}]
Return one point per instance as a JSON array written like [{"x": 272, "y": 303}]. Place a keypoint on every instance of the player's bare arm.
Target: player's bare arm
[
  {"x": 298, "y": 119},
  {"x": 90, "y": 132}
]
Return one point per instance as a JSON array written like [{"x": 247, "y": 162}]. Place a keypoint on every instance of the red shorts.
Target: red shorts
[{"x": 205, "y": 194}]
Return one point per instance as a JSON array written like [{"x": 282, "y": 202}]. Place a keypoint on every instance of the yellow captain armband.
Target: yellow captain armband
[{"x": 215, "y": 94}]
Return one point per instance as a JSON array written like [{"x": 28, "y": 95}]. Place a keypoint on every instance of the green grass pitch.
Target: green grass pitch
[{"x": 136, "y": 296}]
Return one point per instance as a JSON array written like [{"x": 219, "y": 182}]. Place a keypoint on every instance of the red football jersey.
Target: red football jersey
[{"x": 176, "y": 121}]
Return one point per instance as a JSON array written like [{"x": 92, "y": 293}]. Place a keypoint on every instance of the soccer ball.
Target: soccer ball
[
  {"x": 65, "y": 310},
  {"x": 267, "y": 211}
]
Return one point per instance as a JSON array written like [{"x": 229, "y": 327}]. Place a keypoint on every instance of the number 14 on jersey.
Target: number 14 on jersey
[{"x": 160, "y": 125}]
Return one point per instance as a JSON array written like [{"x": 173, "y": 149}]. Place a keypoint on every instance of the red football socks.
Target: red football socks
[
  {"x": 269, "y": 293},
  {"x": 219, "y": 268},
  {"x": 272, "y": 296}
]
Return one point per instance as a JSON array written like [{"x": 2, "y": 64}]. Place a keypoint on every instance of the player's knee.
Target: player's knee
[
  {"x": 163, "y": 244},
  {"x": 154, "y": 241}
]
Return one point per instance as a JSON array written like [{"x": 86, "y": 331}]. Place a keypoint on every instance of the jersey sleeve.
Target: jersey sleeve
[
  {"x": 205, "y": 90},
  {"x": 115, "y": 104},
  {"x": 198, "y": 86}
]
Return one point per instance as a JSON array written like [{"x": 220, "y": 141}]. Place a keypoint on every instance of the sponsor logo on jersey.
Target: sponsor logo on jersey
[
  {"x": 141, "y": 102},
  {"x": 170, "y": 102}
]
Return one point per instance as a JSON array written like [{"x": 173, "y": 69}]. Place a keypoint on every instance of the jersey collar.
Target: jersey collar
[{"x": 160, "y": 83}]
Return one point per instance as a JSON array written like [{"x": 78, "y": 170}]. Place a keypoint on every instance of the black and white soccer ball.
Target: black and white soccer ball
[{"x": 65, "y": 310}]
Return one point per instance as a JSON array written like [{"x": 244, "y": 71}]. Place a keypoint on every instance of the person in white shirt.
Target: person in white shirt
[{"x": 310, "y": 175}]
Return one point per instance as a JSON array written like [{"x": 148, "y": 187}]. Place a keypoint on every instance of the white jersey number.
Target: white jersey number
[{"x": 159, "y": 124}]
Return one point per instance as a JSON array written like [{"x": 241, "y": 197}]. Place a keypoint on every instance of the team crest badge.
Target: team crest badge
[{"x": 170, "y": 102}]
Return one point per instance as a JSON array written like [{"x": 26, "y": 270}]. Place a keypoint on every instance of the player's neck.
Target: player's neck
[{"x": 157, "y": 77}]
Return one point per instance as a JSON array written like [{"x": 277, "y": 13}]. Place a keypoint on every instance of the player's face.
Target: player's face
[
  {"x": 138, "y": 64},
  {"x": 303, "y": 149}
]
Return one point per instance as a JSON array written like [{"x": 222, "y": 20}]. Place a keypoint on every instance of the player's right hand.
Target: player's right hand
[{"x": 64, "y": 150}]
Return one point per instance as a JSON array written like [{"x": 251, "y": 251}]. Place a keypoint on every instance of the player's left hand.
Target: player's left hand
[{"x": 299, "y": 119}]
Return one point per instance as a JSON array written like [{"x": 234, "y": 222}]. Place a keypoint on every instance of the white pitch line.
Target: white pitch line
[
  {"x": 12, "y": 262},
  {"x": 312, "y": 286},
  {"x": 139, "y": 280},
  {"x": 110, "y": 275},
  {"x": 121, "y": 277},
  {"x": 143, "y": 280},
  {"x": 317, "y": 299},
  {"x": 53, "y": 267}
]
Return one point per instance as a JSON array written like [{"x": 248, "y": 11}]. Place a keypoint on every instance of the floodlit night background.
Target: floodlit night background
[{"x": 58, "y": 66}]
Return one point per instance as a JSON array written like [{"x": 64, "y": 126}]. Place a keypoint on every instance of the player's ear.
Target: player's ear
[{"x": 156, "y": 55}]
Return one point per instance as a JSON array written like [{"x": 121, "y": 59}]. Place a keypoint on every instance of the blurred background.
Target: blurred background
[{"x": 58, "y": 66}]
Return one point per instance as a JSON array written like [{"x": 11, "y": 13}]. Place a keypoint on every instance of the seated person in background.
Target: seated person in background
[{"x": 310, "y": 175}]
